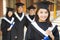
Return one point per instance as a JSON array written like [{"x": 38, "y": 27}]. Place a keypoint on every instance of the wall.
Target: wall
[{"x": 1, "y": 8}]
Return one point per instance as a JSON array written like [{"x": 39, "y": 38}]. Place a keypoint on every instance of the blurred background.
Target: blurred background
[{"x": 54, "y": 9}]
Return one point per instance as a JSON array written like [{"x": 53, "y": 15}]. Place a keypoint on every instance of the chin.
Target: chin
[
  {"x": 9, "y": 16},
  {"x": 43, "y": 19}
]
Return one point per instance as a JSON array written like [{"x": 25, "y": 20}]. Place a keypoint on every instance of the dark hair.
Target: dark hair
[
  {"x": 47, "y": 20},
  {"x": 7, "y": 14}
]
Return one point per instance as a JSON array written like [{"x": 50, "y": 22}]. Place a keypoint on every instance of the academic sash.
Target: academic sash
[
  {"x": 27, "y": 16},
  {"x": 19, "y": 18},
  {"x": 10, "y": 22},
  {"x": 46, "y": 37}
]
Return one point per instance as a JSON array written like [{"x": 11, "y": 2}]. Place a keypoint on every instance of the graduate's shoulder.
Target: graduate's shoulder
[{"x": 3, "y": 20}]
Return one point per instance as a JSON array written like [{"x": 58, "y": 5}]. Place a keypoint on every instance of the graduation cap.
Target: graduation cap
[
  {"x": 19, "y": 4},
  {"x": 44, "y": 4},
  {"x": 10, "y": 9},
  {"x": 31, "y": 7}
]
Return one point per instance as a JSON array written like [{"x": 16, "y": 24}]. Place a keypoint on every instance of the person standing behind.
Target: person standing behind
[
  {"x": 20, "y": 20},
  {"x": 31, "y": 16},
  {"x": 7, "y": 24}
]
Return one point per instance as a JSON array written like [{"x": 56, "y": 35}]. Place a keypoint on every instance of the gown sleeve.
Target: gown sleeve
[
  {"x": 56, "y": 34},
  {"x": 26, "y": 22},
  {"x": 3, "y": 24}
]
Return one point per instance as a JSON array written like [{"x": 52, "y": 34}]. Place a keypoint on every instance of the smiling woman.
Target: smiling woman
[{"x": 42, "y": 15}]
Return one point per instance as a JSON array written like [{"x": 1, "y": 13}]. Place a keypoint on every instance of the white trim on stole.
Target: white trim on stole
[
  {"x": 9, "y": 20},
  {"x": 19, "y": 18},
  {"x": 27, "y": 15},
  {"x": 40, "y": 29}
]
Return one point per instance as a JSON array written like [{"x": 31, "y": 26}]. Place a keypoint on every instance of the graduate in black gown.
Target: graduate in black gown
[
  {"x": 42, "y": 20},
  {"x": 7, "y": 24},
  {"x": 31, "y": 16},
  {"x": 34, "y": 4},
  {"x": 19, "y": 21}
]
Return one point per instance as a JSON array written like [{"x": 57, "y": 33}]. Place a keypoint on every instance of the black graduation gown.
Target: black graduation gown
[
  {"x": 6, "y": 35},
  {"x": 3, "y": 29},
  {"x": 19, "y": 27},
  {"x": 35, "y": 35},
  {"x": 27, "y": 36}
]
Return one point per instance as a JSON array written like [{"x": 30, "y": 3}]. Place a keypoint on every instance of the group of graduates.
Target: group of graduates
[{"x": 38, "y": 24}]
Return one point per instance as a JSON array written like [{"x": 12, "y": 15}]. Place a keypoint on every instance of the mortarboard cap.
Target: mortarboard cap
[
  {"x": 31, "y": 7},
  {"x": 10, "y": 9},
  {"x": 44, "y": 4},
  {"x": 19, "y": 4}
]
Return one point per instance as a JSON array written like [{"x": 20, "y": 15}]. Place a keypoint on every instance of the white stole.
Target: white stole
[
  {"x": 11, "y": 22},
  {"x": 19, "y": 18},
  {"x": 40, "y": 29},
  {"x": 27, "y": 15}
]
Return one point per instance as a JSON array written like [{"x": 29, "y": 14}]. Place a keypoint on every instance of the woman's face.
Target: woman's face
[
  {"x": 20, "y": 9},
  {"x": 10, "y": 13},
  {"x": 42, "y": 14},
  {"x": 32, "y": 11}
]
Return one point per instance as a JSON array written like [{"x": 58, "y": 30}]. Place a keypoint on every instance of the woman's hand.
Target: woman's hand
[
  {"x": 8, "y": 29},
  {"x": 50, "y": 34}
]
